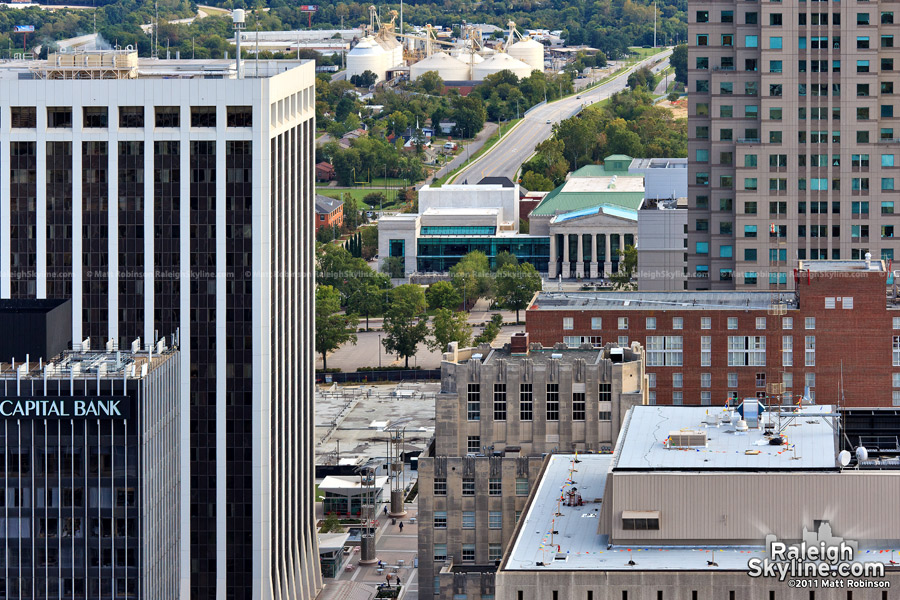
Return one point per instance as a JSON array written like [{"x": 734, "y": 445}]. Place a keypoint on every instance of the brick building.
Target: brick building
[
  {"x": 838, "y": 334},
  {"x": 329, "y": 212}
]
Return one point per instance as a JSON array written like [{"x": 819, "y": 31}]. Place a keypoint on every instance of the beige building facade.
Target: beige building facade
[
  {"x": 794, "y": 145},
  {"x": 500, "y": 412}
]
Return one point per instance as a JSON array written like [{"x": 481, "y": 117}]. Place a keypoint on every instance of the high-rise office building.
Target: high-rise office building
[
  {"x": 169, "y": 196},
  {"x": 793, "y": 139},
  {"x": 89, "y": 475}
]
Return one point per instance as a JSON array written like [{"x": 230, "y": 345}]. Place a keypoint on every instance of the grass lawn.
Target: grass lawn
[
  {"x": 319, "y": 495},
  {"x": 359, "y": 193}
]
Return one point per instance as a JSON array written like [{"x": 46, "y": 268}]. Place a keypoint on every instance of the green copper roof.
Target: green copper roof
[{"x": 558, "y": 201}]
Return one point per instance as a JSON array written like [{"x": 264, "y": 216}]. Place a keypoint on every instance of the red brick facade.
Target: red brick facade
[{"x": 854, "y": 338}]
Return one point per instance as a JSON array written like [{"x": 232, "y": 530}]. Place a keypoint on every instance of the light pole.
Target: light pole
[{"x": 379, "y": 346}]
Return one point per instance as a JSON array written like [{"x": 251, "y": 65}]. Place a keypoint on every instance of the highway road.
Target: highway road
[{"x": 507, "y": 155}]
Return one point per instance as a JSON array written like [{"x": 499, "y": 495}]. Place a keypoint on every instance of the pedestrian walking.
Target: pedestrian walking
[
  {"x": 401, "y": 526},
  {"x": 388, "y": 579},
  {"x": 398, "y": 581},
  {"x": 385, "y": 510}
]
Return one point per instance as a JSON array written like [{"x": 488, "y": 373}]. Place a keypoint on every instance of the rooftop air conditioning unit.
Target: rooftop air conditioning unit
[{"x": 687, "y": 439}]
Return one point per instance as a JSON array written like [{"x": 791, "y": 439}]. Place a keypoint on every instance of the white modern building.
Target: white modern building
[
  {"x": 169, "y": 197},
  {"x": 454, "y": 220},
  {"x": 662, "y": 251}
]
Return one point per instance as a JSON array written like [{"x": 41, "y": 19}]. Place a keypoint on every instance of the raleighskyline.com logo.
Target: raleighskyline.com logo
[{"x": 818, "y": 555}]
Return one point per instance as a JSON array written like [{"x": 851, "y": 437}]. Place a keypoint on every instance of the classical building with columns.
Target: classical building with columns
[{"x": 590, "y": 219}]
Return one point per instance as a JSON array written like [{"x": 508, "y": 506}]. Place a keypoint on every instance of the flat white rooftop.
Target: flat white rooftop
[
  {"x": 842, "y": 265},
  {"x": 620, "y": 183},
  {"x": 810, "y": 441},
  {"x": 577, "y": 545}
]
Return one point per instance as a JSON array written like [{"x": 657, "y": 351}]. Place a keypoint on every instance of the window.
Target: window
[
  {"x": 705, "y": 398},
  {"x": 775, "y": 43},
  {"x": 440, "y": 552},
  {"x": 440, "y": 519},
  {"x": 623, "y": 322},
  {"x": 640, "y": 521},
  {"x": 727, "y": 16},
  {"x": 862, "y": 42},
  {"x": 596, "y": 322},
  {"x": 705, "y": 350},
  {"x": 664, "y": 351},
  {"x": 703, "y": 16},
  {"x": 553, "y": 402},
  {"x": 677, "y": 398},
  {"x": 677, "y": 322},
  {"x": 810, "y": 351},
  {"x": 703, "y": 39},
  {"x": 239, "y": 116},
  {"x": 705, "y": 322},
  {"x": 474, "y": 402},
  {"x": 750, "y": 183},
  {"x": 622, "y": 341},
  {"x": 526, "y": 402},
  {"x": 499, "y": 401},
  {"x": 677, "y": 380},
  {"x": 732, "y": 322},
  {"x": 495, "y": 519},
  {"x": 787, "y": 351},
  {"x": 468, "y": 486},
  {"x": 495, "y": 486},
  {"x": 810, "y": 379},
  {"x": 760, "y": 322},
  {"x": 203, "y": 116},
  {"x": 440, "y": 486},
  {"x": 752, "y": 41},
  {"x": 887, "y": 160},
  {"x": 168, "y": 116},
  {"x": 810, "y": 323},
  {"x": 732, "y": 380},
  {"x": 96, "y": 116},
  {"x": 468, "y": 519},
  {"x": 468, "y": 552},
  {"x": 651, "y": 322},
  {"x": 473, "y": 444},
  {"x": 59, "y": 117},
  {"x": 706, "y": 380},
  {"x": 859, "y": 160},
  {"x": 747, "y": 351},
  {"x": 896, "y": 322},
  {"x": 727, "y": 40},
  {"x": 131, "y": 116},
  {"x": 568, "y": 323},
  {"x": 751, "y": 18},
  {"x": 726, "y": 88},
  {"x": 495, "y": 552},
  {"x": 775, "y": 89},
  {"x": 521, "y": 486},
  {"x": 579, "y": 406},
  {"x": 23, "y": 117}
]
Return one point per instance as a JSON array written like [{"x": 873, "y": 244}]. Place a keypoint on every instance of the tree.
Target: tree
[
  {"x": 442, "y": 294},
  {"x": 469, "y": 115},
  {"x": 643, "y": 77},
  {"x": 449, "y": 326},
  {"x": 491, "y": 330},
  {"x": 367, "y": 300},
  {"x": 332, "y": 328},
  {"x": 679, "y": 62},
  {"x": 364, "y": 79},
  {"x": 505, "y": 258},
  {"x": 369, "y": 240},
  {"x": 517, "y": 285},
  {"x": 472, "y": 276},
  {"x": 332, "y": 524},
  {"x": 394, "y": 267},
  {"x": 335, "y": 266},
  {"x": 404, "y": 325},
  {"x": 431, "y": 83},
  {"x": 627, "y": 266},
  {"x": 537, "y": 182}
]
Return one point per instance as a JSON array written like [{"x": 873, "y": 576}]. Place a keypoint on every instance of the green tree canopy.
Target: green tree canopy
[
  {"x": 367, "y": 300},
  {"x": 517, "y": 285},
  {"x": 404, "y": 324},
  {"x": 332, "y": 328},
  {"x": 471, "y": 276},
  {"x": 627, "y": 266},
  {"x": 442, "y": 294},
  {"x": 449, "y": 326}
]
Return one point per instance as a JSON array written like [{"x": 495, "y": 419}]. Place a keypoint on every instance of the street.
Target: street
[{"x": 507, "y": 155}]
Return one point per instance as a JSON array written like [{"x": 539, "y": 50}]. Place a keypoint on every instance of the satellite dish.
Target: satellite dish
[
  {"x": 861, "y": 454},
  {"x": 844, "y": 458}
]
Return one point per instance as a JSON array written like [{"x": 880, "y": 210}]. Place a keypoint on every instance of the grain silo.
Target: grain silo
[
  {"x": 530, "y": 52},
  {"x": 368, "y": 55},
  {"x": 500, "y": 62},
  {"x": 449, "y": 68}
]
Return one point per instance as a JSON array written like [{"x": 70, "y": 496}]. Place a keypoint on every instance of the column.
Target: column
[
  {"x": 552, "y": 267},
  {"x": 594, "y": 269},
  {"x": 607, "y": 258},
  {"x": 579, "y": 266},
  {"x": 566, "y": 268}
]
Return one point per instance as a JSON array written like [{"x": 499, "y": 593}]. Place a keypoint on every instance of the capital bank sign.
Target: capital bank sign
[{"x": 110, "y": 407}]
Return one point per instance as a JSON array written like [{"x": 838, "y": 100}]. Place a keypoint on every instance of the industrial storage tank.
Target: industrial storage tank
[
  {"x": 500, "y": 62},
  {"x": 368, "y": 55},
  {"x": 467, "y": 56},
  {"x": 530, "y": 52},
  {"x": 449, "y": 68},
  {"x": 393, "y": 48}
]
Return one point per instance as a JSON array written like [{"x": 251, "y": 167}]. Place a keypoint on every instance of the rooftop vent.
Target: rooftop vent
[
  {"x": 477, "y": 356},
  {"x": 556, "y": 355},
  {"x": 686, "y": 439}
]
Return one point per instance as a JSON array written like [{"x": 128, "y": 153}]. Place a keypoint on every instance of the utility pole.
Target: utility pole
[{"x": 654, "y": 23}]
